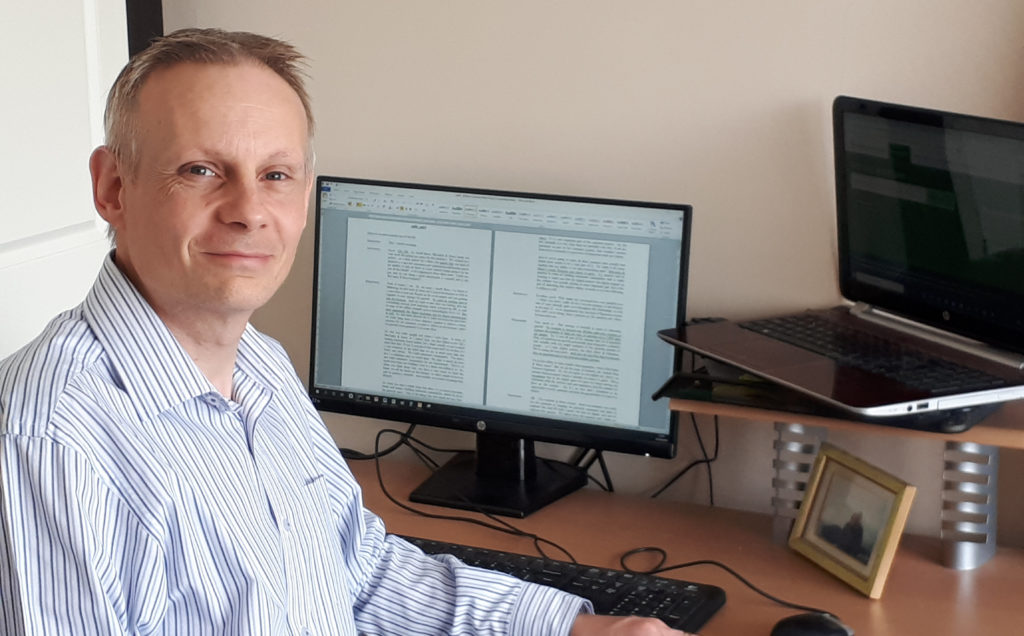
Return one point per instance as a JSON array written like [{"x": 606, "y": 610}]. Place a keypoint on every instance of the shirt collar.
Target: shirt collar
[
  {"x": 263, "y": 359},
  {"x": 156, "y": 372},
  {"x": 152, "y": 367}
]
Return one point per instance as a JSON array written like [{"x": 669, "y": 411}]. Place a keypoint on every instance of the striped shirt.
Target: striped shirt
[{"x": 135, "y": 498}]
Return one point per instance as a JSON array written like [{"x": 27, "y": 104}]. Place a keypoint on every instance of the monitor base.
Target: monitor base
[{"x": 460, "y": 484}]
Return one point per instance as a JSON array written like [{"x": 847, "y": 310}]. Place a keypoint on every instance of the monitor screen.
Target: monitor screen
[{"x": 518, "y": 316}]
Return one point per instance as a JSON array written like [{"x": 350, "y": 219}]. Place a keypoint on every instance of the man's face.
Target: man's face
[{"x": 208, "y": 223}]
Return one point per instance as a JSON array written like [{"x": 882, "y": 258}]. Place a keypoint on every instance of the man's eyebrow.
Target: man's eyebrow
[
  {"x": 218, "y": 155},
  {"x": 286, "y": 155}
]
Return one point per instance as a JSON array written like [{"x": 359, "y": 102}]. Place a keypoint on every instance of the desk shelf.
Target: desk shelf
[
  {"x": 969, "y": 471},
  {"x": 1002, "y": 429}
]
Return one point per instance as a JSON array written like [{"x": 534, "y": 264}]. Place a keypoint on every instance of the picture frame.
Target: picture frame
[{"x": 851, "y": 519}]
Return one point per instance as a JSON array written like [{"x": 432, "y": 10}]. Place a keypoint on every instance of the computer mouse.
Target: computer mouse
[{"x": 811, "y": 624}]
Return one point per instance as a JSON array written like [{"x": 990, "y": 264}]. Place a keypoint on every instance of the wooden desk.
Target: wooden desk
[{"x": 921, "y": 596}]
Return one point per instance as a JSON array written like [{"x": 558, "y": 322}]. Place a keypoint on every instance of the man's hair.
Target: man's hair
[{"x": 202, "y": 46}]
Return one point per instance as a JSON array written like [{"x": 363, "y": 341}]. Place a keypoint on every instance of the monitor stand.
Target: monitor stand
[{"x": 504, "y": 477}]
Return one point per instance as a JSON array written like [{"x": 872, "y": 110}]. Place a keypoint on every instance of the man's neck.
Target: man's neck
[
  {"x": 214, "y": 349},
  {"x": 210, "y": 337}
]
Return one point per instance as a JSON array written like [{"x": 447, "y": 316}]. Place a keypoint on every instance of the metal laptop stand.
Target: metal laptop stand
[
  {"x": 969, "y": 474},
  {"x": 969, "y": 495}
]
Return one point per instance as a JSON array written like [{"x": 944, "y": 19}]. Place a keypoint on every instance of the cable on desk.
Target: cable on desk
[
  {"x": 581, "y": 460},
  {"x": 499, "y": 525},
  {"x": 352, "y": 454},
  {"x": 414, "y": 444},
  {"x": 705, "y": 461},
  {"x": 704, "y": 452},
  {"x": 694, "y": 374},
  {"x": 661, "y": 567}
]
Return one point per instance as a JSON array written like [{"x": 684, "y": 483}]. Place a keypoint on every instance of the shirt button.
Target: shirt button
[
  {"x": 215, "y": 401},
  {"x": 286, "y": 524},
  {"x": 306, "y": 632}
]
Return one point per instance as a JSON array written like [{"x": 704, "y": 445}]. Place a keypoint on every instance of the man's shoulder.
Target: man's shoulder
[{"x": 33, "y": 379}]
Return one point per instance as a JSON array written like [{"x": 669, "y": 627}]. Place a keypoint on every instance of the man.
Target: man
[{"x": 161, "y": 468}]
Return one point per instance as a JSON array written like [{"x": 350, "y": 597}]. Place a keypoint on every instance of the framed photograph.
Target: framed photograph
[{"x": 851, "y": 519}]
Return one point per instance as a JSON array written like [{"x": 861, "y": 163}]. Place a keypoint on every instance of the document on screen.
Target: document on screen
[
  {"x": 413, "y": 290},
  {"x": 541, "y": 324},
  {"x": 566, "y": 336}
]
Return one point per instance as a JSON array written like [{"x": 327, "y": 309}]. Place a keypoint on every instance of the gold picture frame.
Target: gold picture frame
[{"x": 851, "y": 519}]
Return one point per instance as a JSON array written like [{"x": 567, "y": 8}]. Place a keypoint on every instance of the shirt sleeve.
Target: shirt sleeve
[
  {"x": 398, "y": 589},
  {"x": 73, "y": 559}
]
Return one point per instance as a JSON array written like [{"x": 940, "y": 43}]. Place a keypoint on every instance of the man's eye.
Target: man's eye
[
  {"x": 276, "y": 176},
  {"x": 201, "y": 171}
]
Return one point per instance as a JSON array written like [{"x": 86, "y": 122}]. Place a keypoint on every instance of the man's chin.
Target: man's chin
[{"x": 239, "y": 301}]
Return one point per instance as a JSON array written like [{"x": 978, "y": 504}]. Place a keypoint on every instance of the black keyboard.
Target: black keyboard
[
  {"x": 874, "y": 354},
  {"x": 681, "y": 604}
]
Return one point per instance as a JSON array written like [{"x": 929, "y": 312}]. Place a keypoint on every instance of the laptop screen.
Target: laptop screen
[{"x": 931, "y": 217}]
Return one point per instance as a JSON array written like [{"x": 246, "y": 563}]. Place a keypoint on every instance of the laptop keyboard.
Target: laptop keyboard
[
  {"x": 681, "y": 604},
  {"x": 874, "y": 354}
]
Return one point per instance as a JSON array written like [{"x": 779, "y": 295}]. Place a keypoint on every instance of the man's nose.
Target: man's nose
[{"x": 243, "y": 205}]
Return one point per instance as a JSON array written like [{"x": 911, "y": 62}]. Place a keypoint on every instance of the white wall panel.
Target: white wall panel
[{"x": 60, "y": 59}]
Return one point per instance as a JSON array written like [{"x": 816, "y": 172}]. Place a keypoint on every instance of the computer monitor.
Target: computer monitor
[{"x": 520, "y": 317}]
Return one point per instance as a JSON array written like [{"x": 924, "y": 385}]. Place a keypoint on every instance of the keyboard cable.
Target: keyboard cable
[
  {"x": 499, "y": 525},
  {"x": 660, "y": 568}
]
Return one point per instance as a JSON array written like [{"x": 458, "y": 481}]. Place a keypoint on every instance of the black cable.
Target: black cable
[
  {"x": 604, "y": 471},
  {"x": 354, "y": 455},
  {"x": 538, "y": 542},
  {"x": 414, "y": 445},
  {"x": 437, "y": 449},
  {"x": 661, "y": 568},
  {"x": 695, "y": 374},
  {"x": 705, "y": 460},
  {"x": 500, "y": 525},
  {"x": 704, "y": 452},
  {"x": 598, "y": 456},
  {"x": 701, "y": 375}
]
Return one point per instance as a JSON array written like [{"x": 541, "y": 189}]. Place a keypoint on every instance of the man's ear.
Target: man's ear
[{"x": 107, "y": 186}]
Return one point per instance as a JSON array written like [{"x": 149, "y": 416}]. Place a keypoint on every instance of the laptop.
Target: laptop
[{"x": 930, "y": 220}]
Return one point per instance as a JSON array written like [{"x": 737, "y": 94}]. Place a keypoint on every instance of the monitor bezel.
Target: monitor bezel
[{"x": 535, "y": 428}]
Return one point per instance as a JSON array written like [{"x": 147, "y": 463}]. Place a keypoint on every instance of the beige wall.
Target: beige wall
[{"x": 723, "y": 104}]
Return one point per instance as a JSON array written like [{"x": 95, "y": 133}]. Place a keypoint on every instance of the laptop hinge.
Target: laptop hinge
[{"x": 955, "y": 341}]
